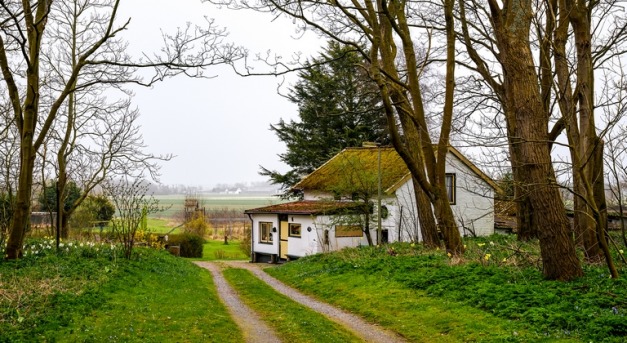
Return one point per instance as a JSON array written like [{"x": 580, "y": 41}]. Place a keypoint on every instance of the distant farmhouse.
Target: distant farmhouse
[{"x": 340, "y": 201}]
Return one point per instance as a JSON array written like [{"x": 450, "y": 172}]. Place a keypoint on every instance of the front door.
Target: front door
[{"x": 284, "y": 233}]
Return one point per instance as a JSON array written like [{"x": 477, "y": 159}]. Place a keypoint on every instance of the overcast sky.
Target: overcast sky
[{"x": 217, "y": 128}]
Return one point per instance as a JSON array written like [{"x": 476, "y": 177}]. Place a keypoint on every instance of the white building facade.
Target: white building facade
[{"x": 318, "y": 224}]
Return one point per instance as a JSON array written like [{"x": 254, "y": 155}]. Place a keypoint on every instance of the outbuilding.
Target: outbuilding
[{"x": 340, "y": 205}]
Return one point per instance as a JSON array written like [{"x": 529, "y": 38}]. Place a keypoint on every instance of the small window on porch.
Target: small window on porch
[
  {"x": 265, "y": 232},
  {"x": 294, "y": 230}
]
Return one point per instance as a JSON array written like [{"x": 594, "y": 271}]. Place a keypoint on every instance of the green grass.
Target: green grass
[
  {"x": 161, "y": 226},
  {"x": 292, "y": 322},
  {"x": 175, "y": 203},
  {"x": 89, "y": 295},
  {"x": 495, "y": 291},
  {"x": 217, "y": 250},
  {"x": 411, "y": 313}
]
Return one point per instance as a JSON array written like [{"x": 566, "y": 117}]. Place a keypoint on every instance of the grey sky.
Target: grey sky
[{"x": 217, "y": 128}]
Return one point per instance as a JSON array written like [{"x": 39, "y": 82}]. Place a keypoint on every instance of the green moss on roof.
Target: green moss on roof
[{"x": 357, "y": 168}]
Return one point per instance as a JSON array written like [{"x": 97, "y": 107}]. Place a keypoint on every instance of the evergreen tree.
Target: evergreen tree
[
  {"x": 48, "y": 198},
  {"x": 338, "y": 105}
]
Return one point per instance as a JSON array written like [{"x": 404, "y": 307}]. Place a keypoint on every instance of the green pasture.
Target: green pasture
[{"x": 174, "y": 204}]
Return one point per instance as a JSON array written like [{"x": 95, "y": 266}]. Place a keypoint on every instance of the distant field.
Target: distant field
[{"x": 213, "y": 202}]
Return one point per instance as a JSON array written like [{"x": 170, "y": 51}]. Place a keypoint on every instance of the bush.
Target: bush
[
  {"x": 191, "y": 245},
  {"x": 196, "y": 226},
  {"x": 244, "y": 244}
]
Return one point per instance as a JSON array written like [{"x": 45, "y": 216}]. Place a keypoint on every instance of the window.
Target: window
[
  {"x": 265, "y": 232},
  {"x": 294, "y": 230},
  {"x": 348, "y": 231},
  {"x": 450, "y": 188}
]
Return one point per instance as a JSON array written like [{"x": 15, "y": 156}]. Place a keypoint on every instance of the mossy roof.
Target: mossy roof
[
  {"x": 354, "y": 165},
  {"x": 362, "y": 163}
]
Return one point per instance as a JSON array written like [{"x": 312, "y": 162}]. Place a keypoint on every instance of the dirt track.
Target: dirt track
[{"x": 367, "y": 331}]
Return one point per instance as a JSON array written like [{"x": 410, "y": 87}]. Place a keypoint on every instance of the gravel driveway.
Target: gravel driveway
[
  {"x": 369, "y": 332},
  {"x": 253, "y": 328}
]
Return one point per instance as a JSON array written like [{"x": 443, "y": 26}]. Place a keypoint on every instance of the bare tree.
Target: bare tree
[
  {"x": 527, "y": 118},
  {"x": 132, "y": 206},
  {"x": 104, "y": 141},
  {"x": 384, "y": 33},
  {"x": 545, "y": 63},
  {"x": 28, "y": 50}
]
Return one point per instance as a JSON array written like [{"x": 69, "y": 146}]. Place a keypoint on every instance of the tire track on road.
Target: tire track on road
[{"x": 253, "y": 328}]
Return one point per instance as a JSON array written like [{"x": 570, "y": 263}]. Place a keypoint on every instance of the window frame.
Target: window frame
[
  {"x": 354, "y": 229},
  {"x": 270, "y": 239},
  {"x": 289, "y": 230},
  {"x": 451, "y": 187}
]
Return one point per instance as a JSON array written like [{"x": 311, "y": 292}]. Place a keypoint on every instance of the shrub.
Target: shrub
[
  {"x": 196, "y": 226},
  {"x": 244, "y": 244},
  {"x": 191, "y": 245}
]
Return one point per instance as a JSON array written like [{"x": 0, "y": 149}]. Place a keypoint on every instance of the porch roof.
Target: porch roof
[{"x": 309, "y": 207}]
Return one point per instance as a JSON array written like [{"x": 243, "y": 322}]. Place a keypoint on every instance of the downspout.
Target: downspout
[{"x": 252, "y": 240}]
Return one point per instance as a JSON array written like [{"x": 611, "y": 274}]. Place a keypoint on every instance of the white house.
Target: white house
[{"x": 340, "y": 203}]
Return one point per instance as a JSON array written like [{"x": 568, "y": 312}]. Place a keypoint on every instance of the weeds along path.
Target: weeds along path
[
  {"x": 367, "y": 331},
  {"x": 253, "y": 328}
]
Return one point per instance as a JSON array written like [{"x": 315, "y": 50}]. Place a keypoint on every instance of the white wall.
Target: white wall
[
  {"x": 264, "y": 247},
  {"x": 323, "y": 223},
  {"x": 473, "y": 208},
  {"x": 306, "y": 244}
]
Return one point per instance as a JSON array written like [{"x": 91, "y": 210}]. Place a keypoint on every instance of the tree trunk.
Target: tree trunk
[
  {"x": 526, "y": 231},
  {"x": 448, "y": 227},
  {"x": 530, "y": 129},
  {"x": 428, "y": 227},
  {"x": 20, "y": 221},
  {"x": 601, "y": 218},
  {"x": 26, "y": 120},
  {"x": 367, "y": 230},
  {"x": 61, "y": 229}
]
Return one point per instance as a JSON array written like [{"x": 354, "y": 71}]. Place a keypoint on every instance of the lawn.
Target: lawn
[
  {"x": 89, "y": 294},
  {"x": 217, "y": 250},
  {"x": 496, "y": 293}
]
